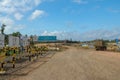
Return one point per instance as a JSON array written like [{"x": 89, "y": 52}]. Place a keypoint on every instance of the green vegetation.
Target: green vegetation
[{"x": 16, "y": 34}]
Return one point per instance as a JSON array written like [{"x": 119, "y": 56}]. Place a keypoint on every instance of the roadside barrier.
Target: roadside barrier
[{"x": 12, "y": 54}]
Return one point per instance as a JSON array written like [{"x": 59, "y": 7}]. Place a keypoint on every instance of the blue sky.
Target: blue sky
[{"x": 76, "y": 19}]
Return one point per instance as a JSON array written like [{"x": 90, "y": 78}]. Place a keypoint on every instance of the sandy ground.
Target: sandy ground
[{"x": 78, "y": 64}]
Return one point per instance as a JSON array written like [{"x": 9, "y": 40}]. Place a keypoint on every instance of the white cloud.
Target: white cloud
[
  {"x": 18, "y": 16},
  {"x": 37, "y": 13},
  {"x": 6, "y": 20},
  {"x": 62, "y": 35},
  {"x": 37, "y": 2},
  {"x": 113, "y": 10},
  {"x": 16, "y": 8},
  {"x": 86, "y": 1},
  {"x": 13, "y": 28},
  {"x": 101, "y": 34},
  {"x": 10, "y": 6},
  {"x": 89, "y": 35},
  {"x": 80, "y": 1},
  {"x": 19, "y": 27},
  {"x": 54, "y": 33},
  {"x": 10, "y": 25}
]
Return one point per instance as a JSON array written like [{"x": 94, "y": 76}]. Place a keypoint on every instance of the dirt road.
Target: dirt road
[{"x": 78, "y": 64}]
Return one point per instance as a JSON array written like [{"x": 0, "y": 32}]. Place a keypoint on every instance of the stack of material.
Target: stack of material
[{"x": 112, "y": 47}]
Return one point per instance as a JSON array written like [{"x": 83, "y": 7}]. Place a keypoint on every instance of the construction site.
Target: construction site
[
  {"x": 59, "y": 39},
  {"x": 46, "y": 58}
]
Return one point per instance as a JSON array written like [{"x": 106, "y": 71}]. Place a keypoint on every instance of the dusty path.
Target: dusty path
[{"x": 78, "y": 64}]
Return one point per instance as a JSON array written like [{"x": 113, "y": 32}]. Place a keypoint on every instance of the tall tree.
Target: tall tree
[
  {"x": 31, "y": 40},
  {"x": 3, "y": 28},
  {"x": 16, "y": 34}
]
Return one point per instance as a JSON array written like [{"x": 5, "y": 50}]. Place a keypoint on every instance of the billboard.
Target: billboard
[
  {"x": 14, "y": 41},
  {"x": 47, "y": 38},
  {"x": 2, "y": 37},
  {"x": 117, "y": 41}
]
